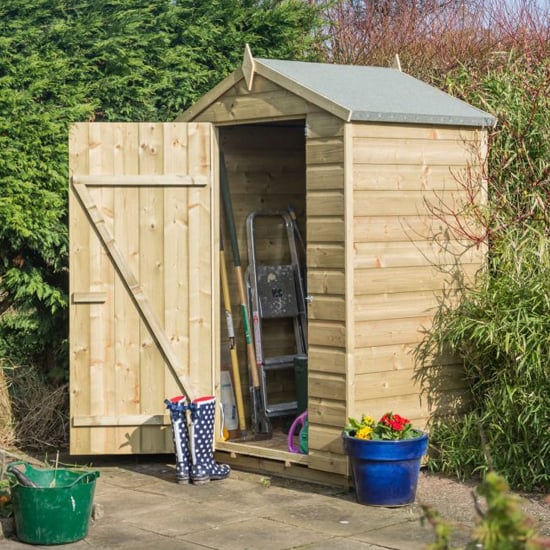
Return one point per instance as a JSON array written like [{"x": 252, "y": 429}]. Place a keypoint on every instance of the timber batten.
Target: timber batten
[{"x": 373, "y": 193}]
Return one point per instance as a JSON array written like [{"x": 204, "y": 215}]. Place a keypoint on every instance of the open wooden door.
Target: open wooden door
[{"x": 141, "y": 280}]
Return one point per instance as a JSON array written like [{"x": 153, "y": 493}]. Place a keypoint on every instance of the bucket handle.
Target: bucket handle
[{"x": 92, "y": 475}]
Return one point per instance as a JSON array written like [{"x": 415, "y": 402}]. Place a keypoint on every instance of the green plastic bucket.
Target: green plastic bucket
[{"x": 58, "y": 511}]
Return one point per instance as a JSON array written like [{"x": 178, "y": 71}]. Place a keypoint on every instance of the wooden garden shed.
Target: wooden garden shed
[{"x": 371, "y": 161}]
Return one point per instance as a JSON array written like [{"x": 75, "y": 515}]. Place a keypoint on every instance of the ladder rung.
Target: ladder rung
[
  {"x": 281, "y": 409},
  {"x": 279, "y": 362}
]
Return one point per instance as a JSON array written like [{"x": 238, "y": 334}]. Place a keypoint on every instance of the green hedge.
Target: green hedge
[{"x": 120, "y": 60}]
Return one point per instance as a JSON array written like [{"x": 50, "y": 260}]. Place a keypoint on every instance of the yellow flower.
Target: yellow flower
[
  {"x": 364, "y": 433},
  {"x": 368, "y": 420}
]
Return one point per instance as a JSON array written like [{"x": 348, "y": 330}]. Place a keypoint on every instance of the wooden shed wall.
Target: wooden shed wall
[
  {"x": 327, "y": 315},
  {"x": 404, "y": 178}
]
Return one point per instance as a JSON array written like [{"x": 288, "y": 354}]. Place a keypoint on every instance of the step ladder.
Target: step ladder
[{"x": 276, "y": 291}]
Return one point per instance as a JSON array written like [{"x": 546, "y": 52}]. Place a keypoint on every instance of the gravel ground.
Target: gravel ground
[{"x": 455, "y": 502}]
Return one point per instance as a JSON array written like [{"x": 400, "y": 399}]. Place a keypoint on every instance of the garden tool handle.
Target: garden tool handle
[{"x": 19, "y": 475}]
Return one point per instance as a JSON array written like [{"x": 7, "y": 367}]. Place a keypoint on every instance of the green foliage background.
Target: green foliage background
[
  {"x": 501, "y": 328},
  {"x": 123, "y": 60}
]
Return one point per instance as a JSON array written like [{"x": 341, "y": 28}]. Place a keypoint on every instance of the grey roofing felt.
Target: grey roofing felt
[{"x": 380, "y": 94}]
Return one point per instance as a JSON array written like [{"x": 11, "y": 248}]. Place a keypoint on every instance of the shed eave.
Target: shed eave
[
  {"x": 412, "y": 118},
  {"x": 300, "y": 90}
]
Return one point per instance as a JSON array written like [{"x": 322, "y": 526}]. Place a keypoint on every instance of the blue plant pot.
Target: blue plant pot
[{"x": 385, "y": 473}]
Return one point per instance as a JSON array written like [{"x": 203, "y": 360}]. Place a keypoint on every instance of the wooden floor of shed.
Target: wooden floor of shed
[
  {"x": 278, "y": 439},
  {"x": 271, "y": 457},
  {"x": 272, "y": 446}
]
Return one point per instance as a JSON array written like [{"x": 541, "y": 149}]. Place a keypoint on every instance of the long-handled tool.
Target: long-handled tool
[
  {"x": 260, "y": 422},
  {"x": 232, "y": 341}
]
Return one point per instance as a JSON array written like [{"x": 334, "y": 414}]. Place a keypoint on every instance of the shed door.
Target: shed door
[{"x": 141, "y": 280}]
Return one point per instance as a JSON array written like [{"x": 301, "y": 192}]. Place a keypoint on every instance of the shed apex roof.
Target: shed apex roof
[
  {"x": 354, "y": 93},
  {"x": 372, "y": 93}
]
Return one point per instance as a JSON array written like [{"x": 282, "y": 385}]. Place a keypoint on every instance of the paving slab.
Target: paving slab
[{"x": 139, "y": 506}]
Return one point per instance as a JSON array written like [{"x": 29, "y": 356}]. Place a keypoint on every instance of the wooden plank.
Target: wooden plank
[
  {"x": 410, "y": 151},
  {"x": 328, "y": 360},
  {"x": 270, "y": 105},
  {"x": 325, "y": 438},
  {"x": 398, "y": 228},
  {"x": 374, "y": 177},
  {"x": 383, "y": 358},
  {"x": 176, "y": 253},
  {"x": 240, "y": 160},
  {"x": 125, "y": 363},
  {"x": 411, "y": 406},
  {"x": 326, "y": 203},
  {"x": 195, "y": 111},
  {"x": 325, "y": 281},
  {"x": 79, "y": 279},
  {"x": 151, "y": 281},
  {"x": 102, "y": 380},
  {"x": 260, "y": 84},
  {"x": 287, "y": 469},
  {"x": 324, "y": 255},
  {"x": 348, "y": 262},
  {"x": 88, "y": 297},
  {"x": 327, "y": 412},
  {"x": 142, "y": 180},
  {"x": 407, "y": 203},
  {"x": 121, "y": 420},
  {"x": 416, "y": 254},
  {"x": 328, "y": 462},
  {"x": 200, "y": 282},
  {"x": 415, "y": 407},
  {"x": 394, "y": 306},
  {"x": 326, "y": 229},
  {"x": 263, "y": 451},
  {"x": 325, "y": 151},
  {"x": 322, "y": 177},
  {"x": 126, "y": 329},
  {"x": 386, "y": 385},
  {"x": 269, "y": 180},
  {"x": 457, "y": 134},
  {"x": 406, "y": 279},
  {"x": 331, "y": 308},
  {"x": 326, "y": 333},
  {"x": 327, "y": 386},
  {"x": 323, "y": 124},
  {"x": 391, "y": 331}
]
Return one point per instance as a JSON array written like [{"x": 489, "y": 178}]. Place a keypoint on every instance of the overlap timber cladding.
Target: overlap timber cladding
[{"x": 379, "y": 258}]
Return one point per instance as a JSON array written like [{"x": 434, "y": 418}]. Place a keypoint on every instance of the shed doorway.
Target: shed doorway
[{"x": 265, "y": 170}]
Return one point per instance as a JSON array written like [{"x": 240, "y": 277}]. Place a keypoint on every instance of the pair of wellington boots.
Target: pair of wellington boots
[{"x": 193, "y": 434}]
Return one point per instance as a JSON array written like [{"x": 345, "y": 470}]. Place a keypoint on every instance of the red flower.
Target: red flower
[{"x": 394, "y": 421}]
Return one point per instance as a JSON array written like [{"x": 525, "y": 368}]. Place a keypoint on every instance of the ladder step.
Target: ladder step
[
  {"x": 281, "y": 409},
  {"x": 279, "y": 362}
]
